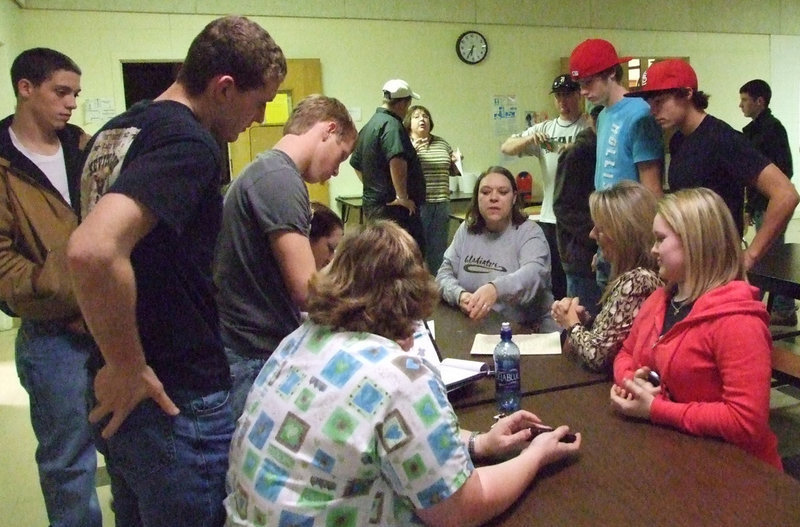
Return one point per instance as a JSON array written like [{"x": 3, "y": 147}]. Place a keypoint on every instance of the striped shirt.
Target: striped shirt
[{"x": 434, "y": 156}]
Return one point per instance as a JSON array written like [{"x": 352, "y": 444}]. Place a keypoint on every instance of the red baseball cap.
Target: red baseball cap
[
  {"x": 670, "y": 74},
  {"x": 592, "y": 56}
]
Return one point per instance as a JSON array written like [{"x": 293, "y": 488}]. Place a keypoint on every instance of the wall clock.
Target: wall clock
[{"x": 471, "y": 47}]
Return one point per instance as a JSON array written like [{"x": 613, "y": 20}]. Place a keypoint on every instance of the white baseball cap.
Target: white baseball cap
[{"x": 398, "y": 89}]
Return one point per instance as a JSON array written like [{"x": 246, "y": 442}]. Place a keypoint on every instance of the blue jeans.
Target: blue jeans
[
  {"x": 244, "y": 371},
  {"x": 587, "y": 290},
  {"x": 52, "y": 364},
  {"x": 435, "y": 221},
  {"x": 170, "y": 471}
]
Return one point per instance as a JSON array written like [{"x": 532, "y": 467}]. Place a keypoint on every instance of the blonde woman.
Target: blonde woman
[
  {"x": 623, "y": 218},
  {"x": 704, "y": 334},
  {"x": 342, "y": 426}
]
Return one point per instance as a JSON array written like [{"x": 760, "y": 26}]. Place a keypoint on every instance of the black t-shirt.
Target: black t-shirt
[
  {"x": 718, "y": 157},
  {"x": 159, "y": 155}
]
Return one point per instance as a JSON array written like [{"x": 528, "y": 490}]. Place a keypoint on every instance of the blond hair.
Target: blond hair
[
  {"x": 712, "y": 249},
  {"x": 624, "y": 213},
  {"x": 377, "y": 282}
]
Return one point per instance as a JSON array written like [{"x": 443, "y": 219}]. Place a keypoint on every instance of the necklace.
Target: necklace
[
  {"x": 676, "y": 308},
  {"x": 567, "y": 125}
]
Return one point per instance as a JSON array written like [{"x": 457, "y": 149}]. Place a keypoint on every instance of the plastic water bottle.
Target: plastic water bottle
[{"x": 506, "y": 364}]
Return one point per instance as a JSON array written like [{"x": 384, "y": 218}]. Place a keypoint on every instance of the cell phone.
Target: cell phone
[
  {"x": 541, "y": 429},
  {"x": 653, "y": 378}
]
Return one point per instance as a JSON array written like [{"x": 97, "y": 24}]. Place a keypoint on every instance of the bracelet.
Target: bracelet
[{"x": 471, "y": 444}]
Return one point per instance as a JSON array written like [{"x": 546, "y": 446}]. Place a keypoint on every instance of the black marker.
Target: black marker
[{"x": 541, "y": 429}]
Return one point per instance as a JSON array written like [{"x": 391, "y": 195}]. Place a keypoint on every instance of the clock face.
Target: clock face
[{"x": 471, "y": 47}]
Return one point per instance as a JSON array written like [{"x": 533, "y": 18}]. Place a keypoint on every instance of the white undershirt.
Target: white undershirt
[{"x": 53, "y": 166}]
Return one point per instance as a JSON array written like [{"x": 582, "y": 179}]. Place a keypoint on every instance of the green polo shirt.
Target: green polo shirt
[{"x": 380, "y": 140}]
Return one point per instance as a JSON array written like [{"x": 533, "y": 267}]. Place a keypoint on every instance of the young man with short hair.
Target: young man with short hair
[
  {"x": 141, "y": 262},
  {"x": 768, "y": 135},
  {"x": 263, "y": 259},
  {"x": 546, "y": 140},
  {"x": 40, "y": 189}
]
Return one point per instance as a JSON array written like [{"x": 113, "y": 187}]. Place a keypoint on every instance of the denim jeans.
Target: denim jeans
[
  {"x": 244, "y": 371},
  {"x": 52, "y": 364},
  {"x": 170, "y": 471},
  {"x": 435, "y": 221},
  {"x": 587, "y": 290}
]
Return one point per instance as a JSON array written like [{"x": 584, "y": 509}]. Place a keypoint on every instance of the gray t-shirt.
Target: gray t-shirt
[{"x": 255, "y": 307}]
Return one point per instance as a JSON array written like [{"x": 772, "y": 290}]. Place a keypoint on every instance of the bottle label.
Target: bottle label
[{"x": 508, "y": 377}]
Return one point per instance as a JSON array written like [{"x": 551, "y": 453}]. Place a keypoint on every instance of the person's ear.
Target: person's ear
[
  {"x": 25, "y": 87},
  {"x": 222, "y": 86}
]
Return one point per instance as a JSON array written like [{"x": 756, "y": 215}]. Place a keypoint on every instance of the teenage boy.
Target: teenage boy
[
  {"x": 629, "y": 142},
  {"x": 707, "y": 152},
  {"x": 264, "y": 260},
  {"x": 40, "y": 196},
  {"x": 768, "y": 135},
  {"x": 141, "y": 262},
  {"x": 546, "y": 140}
]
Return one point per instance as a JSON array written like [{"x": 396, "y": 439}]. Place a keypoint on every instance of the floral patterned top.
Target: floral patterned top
[{"x": 598, "y": 346}]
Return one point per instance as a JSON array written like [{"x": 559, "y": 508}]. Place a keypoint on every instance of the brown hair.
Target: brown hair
[
  {"x": 410, "y": 113},
  {"x": 235, "y": 46},
  {"x": 318, "y": 108},
  {"x": 376, "y": 283},
  {"x": 323, "y": 221},
  {"x": 712, "y": 249},
  {"x": 39, "y": 64},
  {"x": 625, "y": 214},
  {"x": 475, "y": 222}
]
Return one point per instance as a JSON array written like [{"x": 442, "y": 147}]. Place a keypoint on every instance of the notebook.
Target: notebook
[{"x": 455, "y": 373}]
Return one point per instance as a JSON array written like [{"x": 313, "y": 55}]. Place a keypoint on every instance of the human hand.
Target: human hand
[
  {"x": 463, "y": 301},
  {"x": 119, "y": 390},
  {"x": 404, "y": 202},
  {"x": 509, "y": 435},
  {"x": 594, "y": 263},
  {"x": 565, "y": 312},
  {"x": 549, "y": 448},
  {"x": 633, "y": 398},
  {"x": 481, "y": 302}
]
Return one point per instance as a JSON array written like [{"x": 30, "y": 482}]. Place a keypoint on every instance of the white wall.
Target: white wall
[{"x": 359, "y": 55}]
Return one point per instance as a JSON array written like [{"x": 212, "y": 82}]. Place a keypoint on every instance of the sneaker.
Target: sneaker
[{"x": 783, "y": 319}]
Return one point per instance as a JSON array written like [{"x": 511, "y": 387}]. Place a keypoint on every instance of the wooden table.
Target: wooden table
[
  {"x": 632, "y": 472},
  {"x": 539, "y": 373}
]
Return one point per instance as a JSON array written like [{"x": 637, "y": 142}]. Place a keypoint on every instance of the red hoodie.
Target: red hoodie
[{"x": 715, "y": 367}]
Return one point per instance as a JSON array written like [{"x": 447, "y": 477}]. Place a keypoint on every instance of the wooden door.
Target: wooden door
[{"x": 304, "y": 77}]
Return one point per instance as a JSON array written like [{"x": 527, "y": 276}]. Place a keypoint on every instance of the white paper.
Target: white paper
[
  {"x": 459, "y": 163},
  {"x": 534, "y": 344}
]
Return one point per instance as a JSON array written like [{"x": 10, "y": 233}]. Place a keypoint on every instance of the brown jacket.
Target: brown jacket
[{"x": 35, "y": 225}]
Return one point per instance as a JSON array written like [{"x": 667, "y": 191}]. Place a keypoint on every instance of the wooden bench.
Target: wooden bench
[{"x": 785, "y": 364}]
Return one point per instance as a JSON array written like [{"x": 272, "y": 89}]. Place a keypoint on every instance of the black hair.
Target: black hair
[
  {"x": 38, "y": 64},
  {"x": 757, "y": 88}
]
